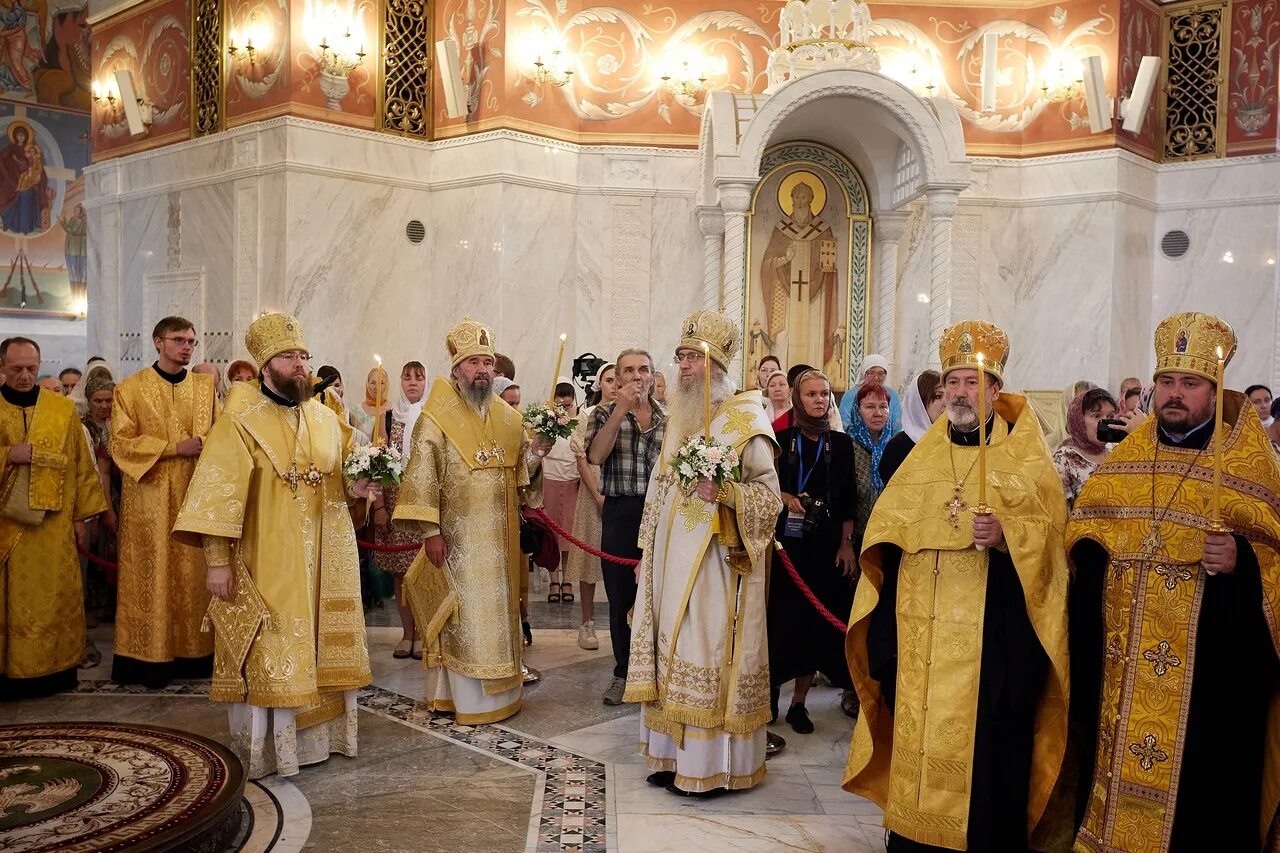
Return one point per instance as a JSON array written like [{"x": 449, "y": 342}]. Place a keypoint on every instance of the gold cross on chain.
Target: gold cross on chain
[
  {"x": 955, "y": 506},
  {"x": 292, "y": 477}
]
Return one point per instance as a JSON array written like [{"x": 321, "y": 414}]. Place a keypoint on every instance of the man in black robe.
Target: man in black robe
[{"x": 1173, "y": 631}]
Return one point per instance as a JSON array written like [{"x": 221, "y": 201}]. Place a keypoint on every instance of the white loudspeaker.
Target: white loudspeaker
[
  {"x": 1095, "y": 95},
  {"x": 990, "y": 73},
  {"x": 1143, "y": 85},
  {"x": 455, "y": 93},
  {"x": 133, "y": 114}
]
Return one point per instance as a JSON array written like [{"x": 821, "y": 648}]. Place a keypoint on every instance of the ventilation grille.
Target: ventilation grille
[
  {"x": 415, "y": 231},
  {"x": 1175, "y": 244}
]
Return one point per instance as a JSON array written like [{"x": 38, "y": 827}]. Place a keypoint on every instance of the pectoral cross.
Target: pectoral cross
[
  {"x": 494, "y": 452},
  {"x": 292, "y": 477},
  {"x": 956, "y": 505},
  {"x": 1153, "y": 542}
]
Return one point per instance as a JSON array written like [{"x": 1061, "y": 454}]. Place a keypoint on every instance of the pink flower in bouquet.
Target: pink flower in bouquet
[{"x": 714, "y": 455}]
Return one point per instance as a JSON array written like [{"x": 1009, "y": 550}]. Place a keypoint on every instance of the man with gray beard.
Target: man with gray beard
[
  {"x": 957, "y": 641},
  {"x": 470, "y": 468}
]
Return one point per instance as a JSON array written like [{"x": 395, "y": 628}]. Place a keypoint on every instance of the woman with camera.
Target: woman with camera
[
  {"x": 1088, "y": 434},
  {"x": 815, "y": 472}
]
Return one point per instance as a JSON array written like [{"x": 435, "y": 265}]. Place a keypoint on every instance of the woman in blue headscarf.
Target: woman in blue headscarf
[
  {"x": 869, "y": 430},
  {"x": 874, "y": 370}
]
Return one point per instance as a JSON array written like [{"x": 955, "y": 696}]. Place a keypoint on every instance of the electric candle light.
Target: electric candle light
[{"x": 555, "y": 374}]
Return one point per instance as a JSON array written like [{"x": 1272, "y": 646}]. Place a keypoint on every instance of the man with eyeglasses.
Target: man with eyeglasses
[{"x": 160, "y": 417}]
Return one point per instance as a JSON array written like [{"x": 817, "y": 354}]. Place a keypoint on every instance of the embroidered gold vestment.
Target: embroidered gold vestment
[
  {"x": 917, "y": 761},
  {"x": 465, "y": 479},
  {"x": 699, "y": 652},
  {"x": 162, "y": 592},
  {"x": 1151, "y": 600},
  {"x": 269, "y": 494},
  {"x": 41, "y": 599}
]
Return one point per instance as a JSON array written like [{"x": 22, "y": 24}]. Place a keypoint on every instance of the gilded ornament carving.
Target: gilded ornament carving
[
  {"x": 404, "y": 69},
  {"x": 206, "y": 67},
  {"x": 1194, "y": 108}
]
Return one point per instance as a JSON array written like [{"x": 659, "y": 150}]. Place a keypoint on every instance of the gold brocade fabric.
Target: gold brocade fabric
[
  {"x": 295, "y": 627},
  {"x": 1151, "y": 603},
  {"x": 918, "y": 764},
  {"x": 41, "y": 600},
  {"x": 464, "y": 480},
  {"x": 162, "y": 594},
  {"x": 699, "y": 655}
]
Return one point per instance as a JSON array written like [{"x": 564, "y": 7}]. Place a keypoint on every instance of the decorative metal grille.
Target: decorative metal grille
[
  {"x": 1194, "y": 105},
  {"x": 405, "y": 70},
  {"x": 206, "y": 67}
]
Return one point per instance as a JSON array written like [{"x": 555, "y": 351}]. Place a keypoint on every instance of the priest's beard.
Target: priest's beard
[
  {"x": 685, "y": 414},
  {"x": 477, "y": 394},
  {"x": 961, "y": 414},
  {"x": 295, "y": 389}
]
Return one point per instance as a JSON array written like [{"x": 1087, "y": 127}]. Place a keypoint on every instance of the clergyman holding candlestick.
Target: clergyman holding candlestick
[
  {"x": 988, "y": 593},
  {"x": 1173, "y": 628}
]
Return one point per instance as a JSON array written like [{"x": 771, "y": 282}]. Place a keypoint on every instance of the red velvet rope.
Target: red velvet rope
[
  {"x": 569, "y": 537},
  {"x": 835, "y": 621}
]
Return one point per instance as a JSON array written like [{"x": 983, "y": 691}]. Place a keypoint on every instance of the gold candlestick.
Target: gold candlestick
[
  {"x": 1219, "y": 434},
  {"x": 555, "y": 374},
  {"x": 378, "y": 391},
  {"x": 706, "y": 386},
  {"x": 982, "y": 508}
]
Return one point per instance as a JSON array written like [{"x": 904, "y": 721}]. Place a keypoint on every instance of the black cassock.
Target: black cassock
[
  {"x": 1009, "y": 686},
  {"x": 1220, "y": 781}
]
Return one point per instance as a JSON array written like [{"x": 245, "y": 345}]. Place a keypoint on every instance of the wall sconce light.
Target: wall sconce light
[
  {"x": 123, "y": 101},
  {"x": 337, "y": 60},
  {"x": 105, "y": 92},
  {"x": 1059, "y": 85},
  {"x": 685, "y": 83},
  {"x": 557, "y": 69},
  {"x": 912, "y": 70},
  {"x": 233, "y": 48}
]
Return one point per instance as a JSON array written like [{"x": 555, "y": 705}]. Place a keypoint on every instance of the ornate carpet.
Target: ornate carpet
[{"x": 81, "y": 787}]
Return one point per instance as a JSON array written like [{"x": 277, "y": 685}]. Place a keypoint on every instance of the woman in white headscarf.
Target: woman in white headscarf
[
  {"x": 874, "y": 369},
  {"x": 403, "y": 415},
  {"x": 924, "y": 403}
]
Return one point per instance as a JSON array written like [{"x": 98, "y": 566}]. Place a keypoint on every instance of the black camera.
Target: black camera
[
  {"x": 1108, "y": 432},
  {"x": 816, "y": 511}
]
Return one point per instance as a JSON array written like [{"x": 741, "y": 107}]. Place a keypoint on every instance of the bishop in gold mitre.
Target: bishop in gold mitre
[
  {"x": 269, "y": 503},
  {"x": 160, "y": 417},
  {"x": 957, "y": 641},
  {"x": 48, "y": 487},
  {"x": 470, "y": 468},
  {"x": 699, "y": 651},
  {"x": 1174, "y": 632}
]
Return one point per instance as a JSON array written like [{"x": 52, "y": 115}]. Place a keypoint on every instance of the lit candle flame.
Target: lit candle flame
[
  {"x": 563, "y": 337},
  {"x": 1219, "y": 352},
  {"x": 378, "y": 359}
]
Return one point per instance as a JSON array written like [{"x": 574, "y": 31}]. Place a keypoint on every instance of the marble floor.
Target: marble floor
[{"x": 561, "y": 775}]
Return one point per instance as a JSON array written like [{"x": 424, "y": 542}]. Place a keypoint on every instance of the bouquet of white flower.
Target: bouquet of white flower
[
  {"x": 379, "y": 463},
  {"x": 550, "y": 422},
  {"x": 704, "y": 457}
]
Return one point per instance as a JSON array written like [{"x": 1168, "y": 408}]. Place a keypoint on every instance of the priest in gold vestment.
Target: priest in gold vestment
[
  {"x": 957, "y": 642},
  {"x": 469, "y": 469},
  {"x": 159, "y": 419},
  {"x": 48, "y": 486},
  {"x": 269, "y": 504},
  {"x": 699, "y": 652},
  {"x": 1174, "y": 631}
]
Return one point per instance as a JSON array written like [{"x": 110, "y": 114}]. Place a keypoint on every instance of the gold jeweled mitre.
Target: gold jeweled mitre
[
  {"x": 962, "y": 343},
  {"x": 468, "y": 339},
  {"x": 1189, "y": 342},
  {"x": 272, "y": 334},
  {"x": 717, "y": 330}
]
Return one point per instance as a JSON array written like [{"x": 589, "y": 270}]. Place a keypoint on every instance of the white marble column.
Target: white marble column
[
  {"x": 735, "y": 201},
  {"x": 889, "y": 227},
  {"x": 942, "y": 210},
  {"x": 711, "y": 224},
  {"x": 103, "y": 183}
]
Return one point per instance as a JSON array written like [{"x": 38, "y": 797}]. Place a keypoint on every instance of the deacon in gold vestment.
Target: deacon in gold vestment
[
  {"x": 48, "y": 486},
  {"x": 159, "y": 419},
  {"x": 269, "y": 503},
  {"x": 468, "y": 471},
  {"x": 957, "y": 642},
  {"x": 1174, "y": 635},
  {"x": 699, "y": 651}
]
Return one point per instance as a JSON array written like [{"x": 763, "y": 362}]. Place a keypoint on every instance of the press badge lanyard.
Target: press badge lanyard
[{"x": 802, "y": 479}]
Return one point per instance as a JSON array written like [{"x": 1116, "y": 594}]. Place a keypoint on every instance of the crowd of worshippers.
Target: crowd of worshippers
[{"x": 1061, "y": 626}]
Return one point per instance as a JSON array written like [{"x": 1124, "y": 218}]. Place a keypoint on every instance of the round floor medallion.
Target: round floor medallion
[{"x": 105, "y": 787}]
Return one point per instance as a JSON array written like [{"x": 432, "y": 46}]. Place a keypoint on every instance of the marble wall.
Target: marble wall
[{"x": 536, "y": 237}]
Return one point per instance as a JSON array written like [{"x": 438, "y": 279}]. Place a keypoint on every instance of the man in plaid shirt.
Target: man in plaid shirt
[{"x": 625, "y": 439}]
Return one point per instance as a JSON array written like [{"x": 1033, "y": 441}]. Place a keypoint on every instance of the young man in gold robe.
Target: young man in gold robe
[
  {"x": 957, "y": 641},
  {"x": 159, "y": 419},
  {"x": 1174, "y": 631},
  {"x": 269, "y": 503},
  {"x": 699, "y": 654},
  {"x": 48, "y": 487},
  {"x": 470, "y": 467}
]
